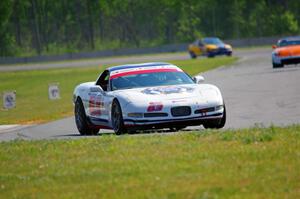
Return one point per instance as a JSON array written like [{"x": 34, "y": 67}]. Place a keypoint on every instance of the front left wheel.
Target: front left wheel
[
  {"x": 81, "y": 120},
  {"x": 216, "y": 124}
]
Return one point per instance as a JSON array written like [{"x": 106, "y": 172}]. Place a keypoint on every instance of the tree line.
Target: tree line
[{"x": 38, "y": 27}]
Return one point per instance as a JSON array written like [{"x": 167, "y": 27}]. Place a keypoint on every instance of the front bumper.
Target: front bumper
[
  {"x": 140, "y": 124},
  {"x": 220, "y": 51},
  {"x": 286, "y": 60}
]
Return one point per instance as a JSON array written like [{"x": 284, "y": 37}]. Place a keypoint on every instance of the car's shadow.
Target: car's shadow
[{"x": 144, "y": 132}]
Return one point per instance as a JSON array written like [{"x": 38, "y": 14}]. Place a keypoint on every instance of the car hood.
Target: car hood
[
  {"x": 288, "y": 51},
  {"x": 174, "y": 93},
  {"x": 213, "y": 46}
]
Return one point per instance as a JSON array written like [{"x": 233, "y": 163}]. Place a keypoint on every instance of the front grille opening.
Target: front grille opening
[
  {"x": 181, "y": 111},
  {"x": 155, "y": 114},
  {"x": 291, "y": 61},
  {"x": 205, "y": 110}
]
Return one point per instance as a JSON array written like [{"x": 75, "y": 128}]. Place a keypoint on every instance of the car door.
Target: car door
[
  {"x": 97, "y": 104},
  {"x": 99, "y": 100}
]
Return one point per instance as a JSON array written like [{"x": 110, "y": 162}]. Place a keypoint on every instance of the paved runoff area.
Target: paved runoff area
[{"x": 254, "y": 93}]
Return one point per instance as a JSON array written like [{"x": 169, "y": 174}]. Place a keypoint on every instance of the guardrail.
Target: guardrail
[{"x": 132, "y": 51}]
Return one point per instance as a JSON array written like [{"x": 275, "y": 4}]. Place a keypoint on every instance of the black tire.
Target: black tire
[
  {"x": 81, "y": 120},
  {"x": 117, "y": 118},
  {"x": 193, "y": 55},
  {"x": 223, "y": 120},
  {"x": 229, "y": 54},
  {"x": 277, "y": 65},
  {"x": 216, "y": 124},
  {"x": 210, "y": 55}
]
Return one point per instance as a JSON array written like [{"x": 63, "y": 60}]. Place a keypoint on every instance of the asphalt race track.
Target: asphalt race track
[{"x": 254, "y": 92}]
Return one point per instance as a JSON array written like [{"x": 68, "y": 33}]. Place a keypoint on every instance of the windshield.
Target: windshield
[
  {"x": 214, "y": 41},
  {"x": 283, "y": 43},
  {"x": 150, "y": 79}
]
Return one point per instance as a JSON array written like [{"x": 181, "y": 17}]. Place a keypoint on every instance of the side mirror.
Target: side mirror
[
  {"x": 198, "y": 79},
  {"x": 274, "y": 46},
  {"x": 96, "y": 89}
]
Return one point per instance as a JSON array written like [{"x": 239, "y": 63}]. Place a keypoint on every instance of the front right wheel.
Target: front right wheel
[
  {"x": 117, "y": 118},
  {"x": 193, "y": 55},
  {"x": 229, "y": 54},
  {"x": 277, "y": 65}
]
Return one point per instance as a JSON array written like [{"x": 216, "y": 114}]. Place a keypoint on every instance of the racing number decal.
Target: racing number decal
[
  {"x": 95, "y": 105},
  {"x": 155, "y": 106}
]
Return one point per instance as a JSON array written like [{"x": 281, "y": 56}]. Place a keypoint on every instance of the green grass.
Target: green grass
[
  {"x": 33, "y": 105},
  {"x": 251, "y": 163}
]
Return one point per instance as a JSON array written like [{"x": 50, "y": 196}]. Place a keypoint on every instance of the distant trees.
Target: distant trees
[
  {"x": 6, "y": 38},
  {"x": 29, "y": 27}
]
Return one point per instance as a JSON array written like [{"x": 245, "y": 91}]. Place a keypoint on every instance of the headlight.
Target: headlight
[
  {"x": 136, "y": 115},
  {"x": 229, "y": 47},
  {"x": 217, "y": 108}
]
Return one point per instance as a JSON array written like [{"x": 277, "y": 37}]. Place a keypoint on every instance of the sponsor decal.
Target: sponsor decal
[
  {"x": 168, "y": 90},
  {"x": 155, "y": 106},
  {"x": 95, "y": 105},
  {"x": 143, "y": 70}
]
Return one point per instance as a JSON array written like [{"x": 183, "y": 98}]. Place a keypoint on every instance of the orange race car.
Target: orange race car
[{"x": 287, "y": 51}]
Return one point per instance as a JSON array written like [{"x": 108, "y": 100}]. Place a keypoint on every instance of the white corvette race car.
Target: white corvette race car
[{"x": 146, "y": 96}]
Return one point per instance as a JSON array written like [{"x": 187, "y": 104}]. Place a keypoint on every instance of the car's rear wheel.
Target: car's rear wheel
[
  {"x": 81, "y": 120},
  {"x": 216, "y": 124},
  {"x": 193, "y": 55},
  {"x": 117, "y": 118},
  {"x": 277, "y": 65},
  {"x": 229, "y": 54}
]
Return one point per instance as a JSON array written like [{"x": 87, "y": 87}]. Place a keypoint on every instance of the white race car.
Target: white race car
[{"x": 146, "y": 96}]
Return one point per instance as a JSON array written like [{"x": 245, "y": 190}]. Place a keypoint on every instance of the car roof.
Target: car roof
[
  {"x": 291, "y": 38},
  {"x": 127, "y": 66},
  {"x": 211, "y": 38}
]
